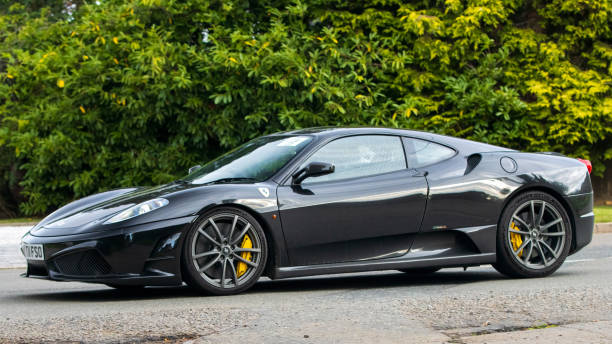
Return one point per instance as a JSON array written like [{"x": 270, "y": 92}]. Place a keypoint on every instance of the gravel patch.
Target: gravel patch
[
  {"x": 161, "y": 326},
  {"x": 498, "y": 311}
]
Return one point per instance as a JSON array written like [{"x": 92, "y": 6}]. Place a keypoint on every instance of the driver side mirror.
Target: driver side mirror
[
  {"x": 314, "y": 169},
  {"x": 193, "y": 169}
]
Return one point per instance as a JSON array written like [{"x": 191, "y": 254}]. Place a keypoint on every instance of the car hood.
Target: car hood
[{"x": 94, "y": 210}]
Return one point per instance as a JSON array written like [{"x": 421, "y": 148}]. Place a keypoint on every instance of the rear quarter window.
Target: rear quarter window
[{"x": 420, "y": 153}]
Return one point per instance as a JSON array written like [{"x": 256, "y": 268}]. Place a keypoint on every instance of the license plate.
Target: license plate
[{"x": 33, "y": 251}]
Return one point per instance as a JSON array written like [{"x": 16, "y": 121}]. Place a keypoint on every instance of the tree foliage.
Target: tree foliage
[{"x": 119, "y": 93}]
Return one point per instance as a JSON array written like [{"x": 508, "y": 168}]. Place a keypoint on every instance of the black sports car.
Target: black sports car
[{"x": 321, "y": 201}]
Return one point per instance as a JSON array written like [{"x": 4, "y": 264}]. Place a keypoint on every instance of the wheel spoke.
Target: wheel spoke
[
  {"x": 521, "y": 221},
  {"x": 244, "y": 231},
  {"x": 254, "y": 250},
  {"x": 229, "y": 237},
  {"x": 223, "y": 273},
  {"x": 542, "y": 253},
  {"x": 518, "y": 232},
  {"x": 533, "y": 215},
  {"x": 247, "y": 262},
  {"x": 541, "y": 215},
  {"x": 542, "y": 242},
  {"x": 201, "y": 231},
  {"x": 234, "y": 274},
  {"x": 526, "y": 259},
  {"x": 552, "y": 233},
  {"x": 204, "y": 254},
  {"x": 550, "y": 224},
  {"x": 210, "y": 264},
  {"x": 522, "y": 246},
  {"x": 212, "y": 222}
]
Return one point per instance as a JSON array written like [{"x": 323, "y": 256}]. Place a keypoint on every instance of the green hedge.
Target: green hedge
[{"x": 135, "y": 92}]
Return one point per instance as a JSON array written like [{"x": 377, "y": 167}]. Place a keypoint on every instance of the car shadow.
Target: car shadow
[{"x": 380, "y": 280}]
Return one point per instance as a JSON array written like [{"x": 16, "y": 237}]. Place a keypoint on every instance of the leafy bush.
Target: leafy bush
[{"x": 123, "y": 93}]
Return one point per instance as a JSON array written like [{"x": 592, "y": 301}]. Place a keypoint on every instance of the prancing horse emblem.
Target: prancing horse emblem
[{"x": 264, "y": 191}]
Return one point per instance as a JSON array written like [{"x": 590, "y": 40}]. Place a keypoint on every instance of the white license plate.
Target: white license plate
[{"x": 33, "y": 251}]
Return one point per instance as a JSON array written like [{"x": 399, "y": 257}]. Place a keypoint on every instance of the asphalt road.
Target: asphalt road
[{"x": 479, "y": 305}]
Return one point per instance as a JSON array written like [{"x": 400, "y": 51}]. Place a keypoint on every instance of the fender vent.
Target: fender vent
[{"x": 84, "y": 263}]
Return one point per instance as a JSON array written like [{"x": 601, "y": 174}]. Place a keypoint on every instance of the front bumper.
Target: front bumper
[{"x": 147, "y": 254}]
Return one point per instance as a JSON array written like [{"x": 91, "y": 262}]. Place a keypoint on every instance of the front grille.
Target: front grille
[{"x": 84, "y": 263}]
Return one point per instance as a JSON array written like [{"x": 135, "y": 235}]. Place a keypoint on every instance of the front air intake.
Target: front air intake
[{"x": 84, "y": 263}]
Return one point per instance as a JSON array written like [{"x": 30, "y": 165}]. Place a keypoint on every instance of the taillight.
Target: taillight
[{"x": 587, "y": 163}]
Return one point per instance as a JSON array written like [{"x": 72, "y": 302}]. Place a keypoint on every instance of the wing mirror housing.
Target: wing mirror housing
[
  {"x": 314, "y": 169},
  {"x": 193, "y": 168}
]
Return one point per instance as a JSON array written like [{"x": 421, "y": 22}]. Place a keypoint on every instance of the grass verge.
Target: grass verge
[
  {"x": 603, "y": 213},
  {"x": 19, "y": 220}
]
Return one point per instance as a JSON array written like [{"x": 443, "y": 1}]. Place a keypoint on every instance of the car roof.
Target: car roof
[{"x": 463, "y": 145}]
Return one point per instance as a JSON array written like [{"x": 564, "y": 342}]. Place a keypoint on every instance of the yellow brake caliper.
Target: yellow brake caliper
[
  {"x": 516, "y": 239},
  {"x": 242, "y": 267}
]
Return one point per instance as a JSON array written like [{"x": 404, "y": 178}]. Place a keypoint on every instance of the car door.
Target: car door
[{"x": 370, "y": 207}]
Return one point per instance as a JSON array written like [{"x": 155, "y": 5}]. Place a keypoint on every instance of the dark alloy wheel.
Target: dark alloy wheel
[
  {"x": 534, "y": 236},
  {"x": 225, "y": 252}
]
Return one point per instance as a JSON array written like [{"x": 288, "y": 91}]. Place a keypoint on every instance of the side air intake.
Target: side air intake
[{"x": 472, "y": 161}]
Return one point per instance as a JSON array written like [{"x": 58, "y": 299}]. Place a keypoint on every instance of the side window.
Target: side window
[
  {"x": 359, "y": 156},
  {"x": 421, "y": 153}
]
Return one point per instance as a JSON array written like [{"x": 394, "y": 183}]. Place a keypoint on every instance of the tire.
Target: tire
[
  {"x": 420, "y": 271},
  {"x": 216, "y": 264},
  {"x": 534, "y": 236}
]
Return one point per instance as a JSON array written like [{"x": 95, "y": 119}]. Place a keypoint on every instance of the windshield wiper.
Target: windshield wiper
[
  {"x": 180, "y": 181},
  {"x": 231, "y": 180}
]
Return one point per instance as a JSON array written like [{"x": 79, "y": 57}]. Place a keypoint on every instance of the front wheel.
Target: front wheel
[
  {"x": 534, "y": 236},
  {"x": 225, "y": 252}
]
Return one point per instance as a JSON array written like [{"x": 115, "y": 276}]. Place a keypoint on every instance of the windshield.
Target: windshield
[{"x": 254, "y": 161}]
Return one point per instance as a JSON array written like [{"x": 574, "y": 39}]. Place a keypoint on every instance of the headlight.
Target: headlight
[{"x": 138, "y": 209}]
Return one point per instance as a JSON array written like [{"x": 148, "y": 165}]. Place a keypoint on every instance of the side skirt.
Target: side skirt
[{"x": 405, "y": 262}]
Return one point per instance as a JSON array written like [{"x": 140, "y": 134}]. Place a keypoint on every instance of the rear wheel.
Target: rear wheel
[
  {"x": 534, "y": 236},
  {"x": 225, "y": 252}
]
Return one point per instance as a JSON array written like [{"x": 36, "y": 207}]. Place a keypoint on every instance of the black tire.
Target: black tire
[
  {"x": 544, "y": 246},
  {"x": 420, "y": 271},
  {"x": 227, "y": 251}
]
